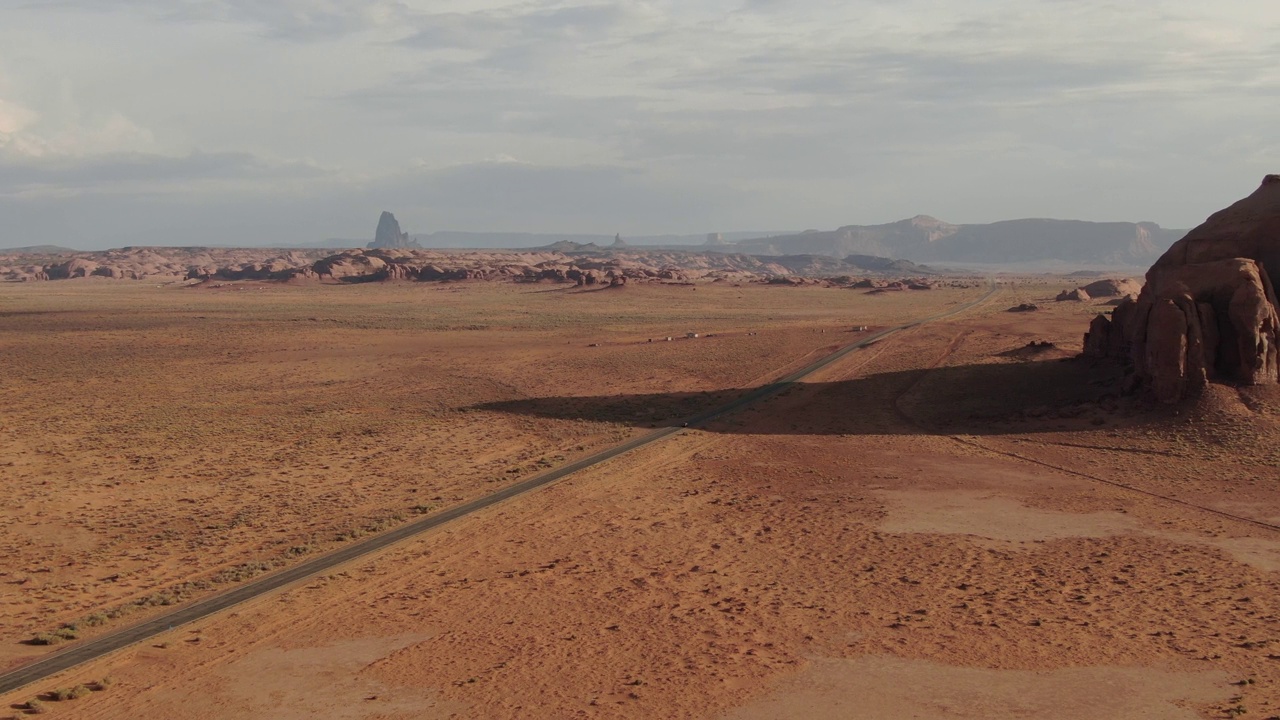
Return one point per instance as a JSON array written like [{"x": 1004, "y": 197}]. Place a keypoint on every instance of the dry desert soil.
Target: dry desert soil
[{"x": 947, "y": 524}]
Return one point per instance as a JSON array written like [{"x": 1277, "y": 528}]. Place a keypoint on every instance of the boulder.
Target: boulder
[
  {"x": 585, "y": 277},
  {"x": 1113, "y": 288},
  {"x": 350, "y": 265},
  {"x": 74, "y": 268},
  {"x": 1208, "y": 309}
]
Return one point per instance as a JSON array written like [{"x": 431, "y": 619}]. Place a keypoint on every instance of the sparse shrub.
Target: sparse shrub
[
  {"x": 96, "y": 619},
  {"x": 162, "y": 599},
  {"x": 62, "y": 694},
  {"x": 66, "y": 632},
  {"x": 106, "y": 682},
  {"x": 242, "y": 572},
  {"x": 36, "y": 707},
  {"x": 80, "y": 691}
]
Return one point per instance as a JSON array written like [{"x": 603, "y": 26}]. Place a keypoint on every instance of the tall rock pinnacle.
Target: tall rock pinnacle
[{"x": 389, "y": 235}]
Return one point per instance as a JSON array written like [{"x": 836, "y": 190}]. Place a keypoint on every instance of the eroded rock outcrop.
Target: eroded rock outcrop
[
  {"x": 1112, "y": 287},
  {"x": 388, "y": 234},
  {"x": 1209, "y": 307}
]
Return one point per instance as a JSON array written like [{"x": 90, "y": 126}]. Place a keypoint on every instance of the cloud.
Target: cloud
[
  {"x": 126, "y": 172},
  {"x": 14, "y": 118},
  {"x": 503, "y": 195},
  {"x": 300, "y": 20},
  {"x": 513, "y": 195},
  {"x": 732, "y": 113}
]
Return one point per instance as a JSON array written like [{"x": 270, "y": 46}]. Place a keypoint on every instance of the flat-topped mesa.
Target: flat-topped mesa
[
  {"x": 388, "y": 234},
  {"x": 1208, "y": 309}
]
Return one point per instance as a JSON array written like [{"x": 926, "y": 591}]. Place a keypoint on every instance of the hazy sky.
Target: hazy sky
[{"x": 253, "y": 121}]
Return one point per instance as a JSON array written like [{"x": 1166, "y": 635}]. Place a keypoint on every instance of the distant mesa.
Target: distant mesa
[
  {"x": 715, "y": 239},
  {"x": 618, "y": 242},
  {"x": 388, "y": 234},
  {"x": 1208, "y": 310},
  {"x": 927, "y": 239},
  {"x": 569, "y": 246},
  {"x": 885, "y": 265}
]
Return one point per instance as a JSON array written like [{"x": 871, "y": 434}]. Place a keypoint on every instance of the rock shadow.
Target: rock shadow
[{"x": 983, "y": 399}]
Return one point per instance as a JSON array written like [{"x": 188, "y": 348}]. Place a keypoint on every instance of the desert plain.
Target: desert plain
[{"x": 962, "y": 520}]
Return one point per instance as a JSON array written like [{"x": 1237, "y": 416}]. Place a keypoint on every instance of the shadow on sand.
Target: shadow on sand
[{"x": 981, "y": 399}]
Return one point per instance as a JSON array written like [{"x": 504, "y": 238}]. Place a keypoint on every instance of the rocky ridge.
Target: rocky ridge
[
  {"x": 588, "y": 267},
  {"x": 151, "y": 263},
  {"x": 1208, "y": 309}
]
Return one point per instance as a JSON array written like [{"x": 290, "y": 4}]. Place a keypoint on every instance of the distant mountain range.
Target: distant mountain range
[
  {"x": 926, "y": 239},
  {"x": 447, "y": 239},
  {"x": 919, "y": 239},
  {"x": 38, "y": 250},
  {"x": 1023, "y": 243}
]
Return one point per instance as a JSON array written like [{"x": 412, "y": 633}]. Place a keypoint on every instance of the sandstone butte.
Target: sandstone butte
[{"x": 1208, "y": 310}]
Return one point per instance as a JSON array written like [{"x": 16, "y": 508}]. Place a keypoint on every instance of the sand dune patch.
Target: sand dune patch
[
  {"x": 326, "y": 682},
  {"x": 887, "y": 687},
  {"x": 991, "y": 517}
]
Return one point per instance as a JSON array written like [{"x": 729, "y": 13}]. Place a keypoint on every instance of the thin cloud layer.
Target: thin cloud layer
[{"x": 640, "y": 117}]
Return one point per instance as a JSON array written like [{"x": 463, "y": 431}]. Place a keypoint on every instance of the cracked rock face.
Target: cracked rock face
[{"x": 1209, "y": 308}]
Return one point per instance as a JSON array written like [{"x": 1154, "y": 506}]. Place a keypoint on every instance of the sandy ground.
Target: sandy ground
[
  {"x": 160, "y": 442},
  {"x": 945, "y": 525}
]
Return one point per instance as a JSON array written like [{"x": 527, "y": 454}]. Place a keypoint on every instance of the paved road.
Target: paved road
[{"x": 92, "y": 650}]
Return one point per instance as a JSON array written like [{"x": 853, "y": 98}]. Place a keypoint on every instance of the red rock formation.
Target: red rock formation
[
  {"x": 1209, "y": 307},
  {"x": 1113, "y": 288},
  {"x": 1077, "y": 295}
]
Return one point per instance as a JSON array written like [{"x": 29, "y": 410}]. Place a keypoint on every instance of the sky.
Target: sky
[{"x": 170, "y": 122}]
